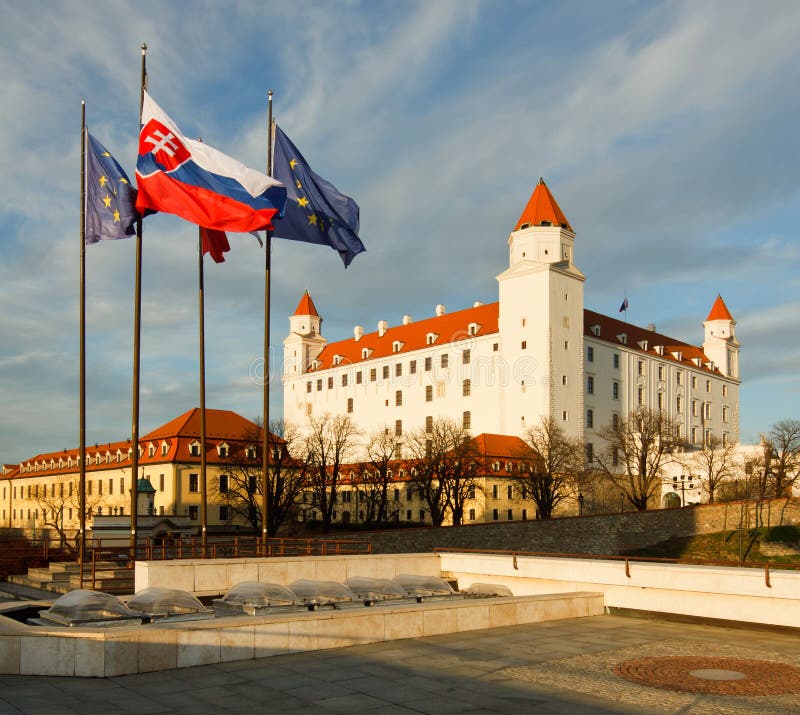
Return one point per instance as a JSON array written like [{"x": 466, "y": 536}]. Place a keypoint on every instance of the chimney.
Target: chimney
[
  {"x": 440, "y": 310},
  {"x": 651, "y": 327},
  {"x": 407, "y": 319},
  {"x": 383, "y": 326},
  {"x": 358, "y": 331},
  {"x": 477, "y": 304}
]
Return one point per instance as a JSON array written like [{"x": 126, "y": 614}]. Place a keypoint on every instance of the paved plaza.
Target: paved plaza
[{"x": 554, "y": 667}]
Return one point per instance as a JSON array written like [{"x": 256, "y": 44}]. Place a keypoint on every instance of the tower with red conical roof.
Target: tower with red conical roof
[
  {"x": 720, "y": 344},
  {"x": 541, "y": 321},
  {"x": 305, "y": 340}
]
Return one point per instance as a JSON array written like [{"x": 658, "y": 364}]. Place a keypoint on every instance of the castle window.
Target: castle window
[
  {"x": 524, "y": 321},
  {"x": 222, "y": 450},
  {"x": 589, "y": 354},
  {"x": 364, "y": 353},
  {"x": 694, "y": 382},
  {"x": 330, "y": 383},
  {"x": 495, "y": 347},
  {"x": 308, "y": 387},
  {"x": 472, "y": 515},
  {"x": 679, "y": 404},
  {"x": 472, "y": 329},
  {"x": 679, "y": 377},
  {"x": 694, "y": 435},
  {"x": 319, "y": 385},
  {"x": 373, "y": 374},
  {"x": 724, "y": 414},
  {"x": 524, "y": 345},
  {"x": 194, "y": 449},
  {"x": 430, "y": 338},
  {"x": 565, "y": 415},
  {"x": 467, "y": 420},
  {"x": 385, "y": 372},
  {"x": 724, "y": 390},
  {"x": 660, "y": 400},
  {"x": 349, "y": 405},
  {"x": 615, "y": 390},
  {"x": 412, "y": 367},
  {"x": 640, "y": 395},
  {"x": 590, "y": 385},
  {"x": 566, "y": 345},
  {"x": 397, "y": 346},
  {"x": 193, "y": 483},
  {"x": 708, "y": 385},
  {"x": 465, "y": 357},
  {"x": 223, "y": 483},
  {"x": 359, "y": 377},
  {"x": 429, "y": 393},
  {"x": 398, "y": 370},
  {"x": 466, "y": 387},
  {"x": 640, "y": 367},
  {"x": 564, "y": 380},
  {"x": 445, "y": 360},
  {"x": 398, "y": 428},
  {"x": 615, "y": 361},
  {"x": 590, "y": 419},
  {"x": 694, "y": 409},
  {"x": 589, "y": 452},
  {"x": 429, "y": 424},
  {"x": 428, "y": 364},
  {"x": 344, "y": 380},
  {"x": 194, "y": 512},
  {"x": 398, "y": 398},
  {"x": 660, "y": 372}
]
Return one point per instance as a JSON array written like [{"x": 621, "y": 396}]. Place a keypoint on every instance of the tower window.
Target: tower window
[
  {"x": 590, "y": 385},
  {"x": 615, "y": 361},
  {"x": 466, "y": 387},
  {"x": 349, "y": 404},
  {"x": 429, "y": 393},
  {"x": 467, "y": 420}
]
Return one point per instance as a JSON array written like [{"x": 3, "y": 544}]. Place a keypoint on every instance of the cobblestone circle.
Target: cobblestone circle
[{"x": 762, "y": 677}]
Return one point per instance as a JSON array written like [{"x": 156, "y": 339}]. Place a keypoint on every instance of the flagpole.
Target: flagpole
[
  {"x": 267, "y": 267},
  {"x": 203, "y": 498},
  {"x": 82, "y": 360},
  {"x": 137, "y": 329}
]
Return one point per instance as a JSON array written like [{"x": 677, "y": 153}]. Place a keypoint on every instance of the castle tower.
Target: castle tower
[
  {"x": 720, "y": 344},
  {"x": 541, "y": 321},
  {"x": 305, "y": 340}
]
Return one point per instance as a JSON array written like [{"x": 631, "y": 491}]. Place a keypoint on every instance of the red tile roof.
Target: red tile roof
[
  {"x": 449, "y": 328},
  {"x": 306, "y": 306},
  {"x": 454, "y": 326},
  {"x": 542, "y": 208},
  {"x": 719, "y": 311},
  {"x": 611, "y": 328},
  {"x": 221, "y": 426},
  {"x": 501, "y": 445}
]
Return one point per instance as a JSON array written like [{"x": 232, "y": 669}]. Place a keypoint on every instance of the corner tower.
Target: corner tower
[
  {"x": 304, "y": 341},
  {"x": 720, "y": 344},
  {"x": 541, "y": 321}
]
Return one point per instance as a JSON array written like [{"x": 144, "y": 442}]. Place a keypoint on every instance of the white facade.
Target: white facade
[{"x": 499, "y": 368}]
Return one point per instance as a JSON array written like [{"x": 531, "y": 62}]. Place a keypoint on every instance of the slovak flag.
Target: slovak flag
[{"x": 192, "y": 180}]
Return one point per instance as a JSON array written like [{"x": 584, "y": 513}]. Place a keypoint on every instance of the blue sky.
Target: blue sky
[{"x": 667, "y": 132}]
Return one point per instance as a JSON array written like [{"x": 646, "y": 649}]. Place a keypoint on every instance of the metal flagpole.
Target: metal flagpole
[
  {"x": 137, "y": 329},
  {"x": 203, "y": 499},
  {"x": 82, "y": 350},
  {"x": 267, "y": 266}
]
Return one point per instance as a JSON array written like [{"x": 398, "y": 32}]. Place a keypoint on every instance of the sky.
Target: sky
[{"x": 667, "y": 131}]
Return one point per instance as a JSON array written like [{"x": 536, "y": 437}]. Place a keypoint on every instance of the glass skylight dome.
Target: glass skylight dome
[
  {"x": 256, "y": 593},
  {"x": 486, "y": 590},
  {"x": 161, "y": 603},
  {"x": 83, "y": 607},
  {"x": 424, "y": 586},
  {"x": 321, "y": 593},
  {"x": 375, "y": 589}
]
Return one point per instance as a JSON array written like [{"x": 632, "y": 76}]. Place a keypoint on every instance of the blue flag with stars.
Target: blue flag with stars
[
  {"x": 110, "y": 198},
  {"x": 316, "y": 211}
]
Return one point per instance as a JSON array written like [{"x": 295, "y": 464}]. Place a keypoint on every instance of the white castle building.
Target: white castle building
[{"x": 499, "y": 368}]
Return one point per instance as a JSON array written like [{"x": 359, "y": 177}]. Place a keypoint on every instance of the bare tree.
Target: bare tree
[
  {"x": 375, "y": 475},
  {"x": 635, "y": 453},
  {"x": 552, "y": 464},
  {"x": 56, "y": 498},
  {"x": 444, "y": 468},
  {"x": 240, "y": 487},
  {"x": 714, "y": 463},
  {"x": 783, "y": 442},
  {"x": 329, "y": 443}
]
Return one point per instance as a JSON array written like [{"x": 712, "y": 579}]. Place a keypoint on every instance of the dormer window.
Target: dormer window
[
  {"x": 397, "y": 346},
  {"x": 495, "y": 466},
  {"x": 151, "y": 450},
  {"x": 473, "y": 328},
  {"x": 222, "y": 450},
  {"x": 678, "y": 355},
  {"x": 164, "y": 449},
  {"x": 659, "y": 349},
  {"x": 595, "y": 330},
  {"x": 337, "y": 359},
  {"x": 250, "y": 452},
  {"x": 643, "y": 345},
  {"x": 315, "y": 365},
  {"x": 431, "y": 338},
  {"x": 365, "y": 353},
  {"x": 119, "y": 455},
  {"x": 194, "y": 449},
  {"x": 623, "y": 338}
]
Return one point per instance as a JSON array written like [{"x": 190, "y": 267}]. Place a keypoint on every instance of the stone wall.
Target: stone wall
[{"x": 605, "y": 534}]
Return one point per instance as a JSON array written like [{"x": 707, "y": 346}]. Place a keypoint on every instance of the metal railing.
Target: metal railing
[{"x": 626, "y": 559}]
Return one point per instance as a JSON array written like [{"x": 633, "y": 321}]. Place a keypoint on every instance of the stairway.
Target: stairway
[{"x": 60, "y": 577}]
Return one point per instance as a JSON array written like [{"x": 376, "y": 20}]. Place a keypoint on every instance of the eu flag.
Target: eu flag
[
  {"x": 316, "y": 211},
  {"x": 110, "y": 198}
]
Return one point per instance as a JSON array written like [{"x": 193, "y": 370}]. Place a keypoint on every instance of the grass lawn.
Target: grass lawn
[{"x": 729, "y": 545}]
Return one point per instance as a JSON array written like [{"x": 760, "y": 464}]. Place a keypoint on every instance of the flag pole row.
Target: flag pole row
[{"x": 190, "y": 179}]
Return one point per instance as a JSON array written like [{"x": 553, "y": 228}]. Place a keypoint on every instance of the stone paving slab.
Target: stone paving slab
[{"x": 554, "y": 667}]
